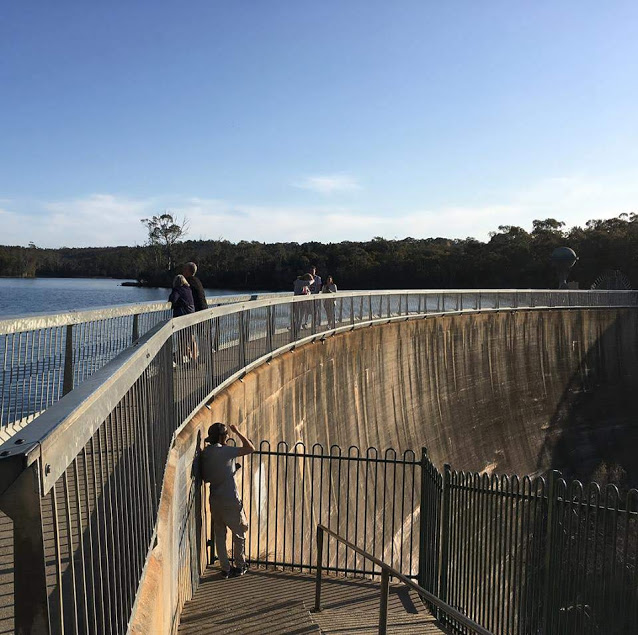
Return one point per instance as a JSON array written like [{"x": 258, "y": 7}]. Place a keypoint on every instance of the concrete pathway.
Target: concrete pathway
[{"x": 278, "y": 603}]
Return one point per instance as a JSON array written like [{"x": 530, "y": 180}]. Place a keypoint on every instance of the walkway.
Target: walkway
[{"x": 277, "y": 603}]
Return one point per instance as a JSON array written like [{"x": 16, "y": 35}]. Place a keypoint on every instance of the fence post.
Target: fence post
[
  {"x": 317, "y": 608},
  {"x": 21, "y": 502},
  {"x": 383, "y": 608},
  {"x": 445, "y": 536},
  {"x": 67, "y": 377},
  {"x": 422, "y": 522},
  {"x": 549, "y": 575},
  {"x": 136, "y": 327}
]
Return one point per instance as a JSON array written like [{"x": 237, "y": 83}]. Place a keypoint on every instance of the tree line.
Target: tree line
[{"x": 512, "y": 257}]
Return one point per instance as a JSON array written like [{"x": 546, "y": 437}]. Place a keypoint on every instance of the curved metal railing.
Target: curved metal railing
[
  {"x": 82, "y": 482},
  {"x": 45, "y": 355}
]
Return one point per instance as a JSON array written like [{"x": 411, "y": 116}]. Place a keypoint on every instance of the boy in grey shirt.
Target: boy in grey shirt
[{"x": 217, "y": 464}]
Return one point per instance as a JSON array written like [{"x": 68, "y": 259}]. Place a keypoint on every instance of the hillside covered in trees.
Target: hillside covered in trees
[{"x": 512, "y": 257}]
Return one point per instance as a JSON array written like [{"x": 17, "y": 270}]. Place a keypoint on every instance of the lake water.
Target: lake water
[{"x": 20, "y": 296}]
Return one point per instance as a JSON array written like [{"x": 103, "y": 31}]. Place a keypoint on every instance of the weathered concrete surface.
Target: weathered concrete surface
[{"x": 507, "y": 392}]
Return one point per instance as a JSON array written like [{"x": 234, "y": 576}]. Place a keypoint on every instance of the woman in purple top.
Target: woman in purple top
[{"x": 181, "y": 297}]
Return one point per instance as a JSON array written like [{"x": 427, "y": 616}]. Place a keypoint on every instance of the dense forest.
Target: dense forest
[{"x": 512, "y": 257}]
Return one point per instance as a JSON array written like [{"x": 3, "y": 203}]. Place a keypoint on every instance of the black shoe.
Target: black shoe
[
  {"x": 236, "y": 572},
  {"x": 226, "y": 574}
]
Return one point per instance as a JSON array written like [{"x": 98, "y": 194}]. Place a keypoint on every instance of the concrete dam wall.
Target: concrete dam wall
[{"x": 518, "y": 391}]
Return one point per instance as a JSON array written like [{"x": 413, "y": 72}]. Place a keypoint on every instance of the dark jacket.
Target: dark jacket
[
  {"x": 199, "y": 296},
  {"x": 182, "y": 300}
]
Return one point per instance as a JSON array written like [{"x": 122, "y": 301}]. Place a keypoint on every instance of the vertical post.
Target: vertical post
[
  {"x": 315, "y": 321},
  {"x": 21, "y": 502},
  {"x": 317, "y": 608},
  {"x": 242, "y": 339},
  {"x": 423, "y": 523},
  {"x": 445, "y": 534},
  {"x": 270, "y": 329},
  {"x": 136, "y": 328},
  {"x": 67, "y": 377},
  {"x": 554, "y": 475},
  {"x": 383, "y": 608}
]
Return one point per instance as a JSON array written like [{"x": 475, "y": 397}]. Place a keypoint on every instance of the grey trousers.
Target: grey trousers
[{"x": 229, "y": 514}]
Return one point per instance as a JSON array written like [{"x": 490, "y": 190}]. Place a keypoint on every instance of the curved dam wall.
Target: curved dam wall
[{"x": 519, "y": 391}]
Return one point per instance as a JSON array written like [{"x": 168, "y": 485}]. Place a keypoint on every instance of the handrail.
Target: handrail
[
  {"x": 387, "y": 572},
  {"x": 31, "y": 321}
]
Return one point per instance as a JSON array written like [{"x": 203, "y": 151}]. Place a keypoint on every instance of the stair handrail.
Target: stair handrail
[{"x": 387, "y": 572}]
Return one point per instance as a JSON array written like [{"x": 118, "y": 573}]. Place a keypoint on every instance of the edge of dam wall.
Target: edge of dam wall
[{"x": 518, "y": 391}]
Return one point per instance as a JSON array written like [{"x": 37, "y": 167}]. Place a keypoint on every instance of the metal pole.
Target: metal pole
[
  {"x": 21, "y": 502},
  {"x": 67, "y": 378},
  {"x": 554, "y": 475},
  {"x": 423, "y": 522},
  {"x": 136, "y": 327},
  {"x": 383, "y": 608},
  {"x": 317, "y": 608},
  {"x": 445, "y": 535}
]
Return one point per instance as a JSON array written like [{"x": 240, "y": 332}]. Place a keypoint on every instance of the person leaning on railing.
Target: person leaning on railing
[
  {"x": 218, "y": 468},
  {"x": 199, "y": 297}
]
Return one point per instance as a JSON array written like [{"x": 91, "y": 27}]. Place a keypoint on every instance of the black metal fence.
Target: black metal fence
[
  {"x": 534, "y": 555},
  {"x": 371, "y": 497}
]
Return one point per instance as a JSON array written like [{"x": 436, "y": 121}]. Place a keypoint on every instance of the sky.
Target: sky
[{"x": 300, "y": 120}]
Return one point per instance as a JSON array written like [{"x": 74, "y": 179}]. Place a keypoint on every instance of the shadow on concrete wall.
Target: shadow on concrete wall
[{"x": 592, "y": 434}]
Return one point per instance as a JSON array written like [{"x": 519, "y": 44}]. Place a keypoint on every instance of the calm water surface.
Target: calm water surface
[{"x": 19, "y": 296}]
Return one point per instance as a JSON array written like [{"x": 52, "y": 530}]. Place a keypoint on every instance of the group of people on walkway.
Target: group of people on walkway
[
  {"x": 188, "y": 294},
  {"x": 308, "y": 284}
]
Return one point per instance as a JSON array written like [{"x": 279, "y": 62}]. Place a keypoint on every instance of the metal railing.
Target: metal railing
[
  {"x": 44, "y": 356},
  {"x": 388, "y": 572},
  {"x": 369, "y": 496},
  {"x": 523, "y": 555},
  {"x": 80, "y": 485}
]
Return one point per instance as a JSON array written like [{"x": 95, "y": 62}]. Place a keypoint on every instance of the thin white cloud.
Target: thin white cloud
[
  {"x": 329, "y": 183},
  {"x": 106, "y": 219}
]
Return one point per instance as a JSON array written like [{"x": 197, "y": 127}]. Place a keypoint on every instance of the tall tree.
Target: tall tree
[{"x": 165, "y": 231}]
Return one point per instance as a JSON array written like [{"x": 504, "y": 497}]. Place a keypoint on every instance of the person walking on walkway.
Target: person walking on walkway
[
  {"x": 218, "y": 468},
  {"x": 188, "y": 271},
  {"x": 329, "y": 305},
  {"x": 301, "y": 310}
]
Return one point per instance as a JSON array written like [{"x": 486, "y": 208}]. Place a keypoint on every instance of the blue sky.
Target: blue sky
[{"x": 297, "y": 120}]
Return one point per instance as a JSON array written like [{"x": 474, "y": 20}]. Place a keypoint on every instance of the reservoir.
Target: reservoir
[{"x": 21, "y": 296}]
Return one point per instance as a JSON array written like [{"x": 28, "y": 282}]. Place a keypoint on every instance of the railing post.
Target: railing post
[
  {"x": 317, "y": 608},
  {"x": 383, "y": 607},
  {"x": 445, "y": 534},
  {"x": 554, "y": 475},
  {"x": 315, "y": 307},
  {"x": 67, "y": 377},
  {"x": 136, "y": 328},
  {"x": 242, "y": 338},
  {"x": 21, "y": 502},
  {"x": 270, "y": 329}
]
